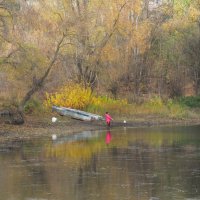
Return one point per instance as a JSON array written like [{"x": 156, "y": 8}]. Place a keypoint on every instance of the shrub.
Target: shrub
[
  {"x": 175, "y": 109},
  {"x": 33, "y": 105},
  {"x": 191, "y": 101},
  {"x": 70, "y": 95},
  {"x": 155, "y": 105},
  {"x": 101, "y": 104},
  {"x": 78, "y": 97}
]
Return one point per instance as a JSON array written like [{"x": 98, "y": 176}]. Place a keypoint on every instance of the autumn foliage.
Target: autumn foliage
[
  {"x": 71, "y": 95},
  {"x": 79, "y": 97},
  {"x": 120, "y": 49}
]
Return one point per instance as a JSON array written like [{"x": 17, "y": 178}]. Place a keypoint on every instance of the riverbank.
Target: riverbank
[{"x": 43, "y": 126}]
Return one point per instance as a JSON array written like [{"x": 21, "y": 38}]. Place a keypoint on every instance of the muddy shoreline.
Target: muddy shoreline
[{"x": 43, "y": 126}]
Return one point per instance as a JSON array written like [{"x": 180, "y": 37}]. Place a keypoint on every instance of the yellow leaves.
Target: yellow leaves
[
  {"x": 194, "y": 14},
  {"x": 102, "y": 101},
  {"x": 97, "y": 35},
  {"x": 109, "y": 53},
  {"x": 180, "y": 7},
  {"x": 179, "y": 24},
  {"x": 72, "y": 95},
  {"x": 76, "y": 96},
  {"x": 127, "y": 26},
  {"x": 4, "y": 12},
  {"x": 185, "y": 14},
  {"x": 140, "y": 36},
  {"x": 136, "y": 7},
  {"x": 49, "y": 14}
]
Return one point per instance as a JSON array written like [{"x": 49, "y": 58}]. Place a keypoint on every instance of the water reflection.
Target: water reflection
[
  {"x": 160, "y": 163},
  {"x": 84, "y": 135},
  {"x": 108, "y": 137}
]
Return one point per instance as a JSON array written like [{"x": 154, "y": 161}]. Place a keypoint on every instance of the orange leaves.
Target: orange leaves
[
  {"x": 135, "y": 6},
  {"x": 109, "y": 53},
  {"x": 122, "y": 20},
  {"x": 140, "y": 36}
]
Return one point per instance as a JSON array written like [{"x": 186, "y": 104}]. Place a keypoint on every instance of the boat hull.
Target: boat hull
[{"x": 76, "y": 114}]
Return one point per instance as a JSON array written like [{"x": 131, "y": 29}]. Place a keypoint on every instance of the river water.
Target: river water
[{"x": 120, "y": 164}]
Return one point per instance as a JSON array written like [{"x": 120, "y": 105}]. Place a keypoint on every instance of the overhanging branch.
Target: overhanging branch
[{"x": 39, "y": 83}]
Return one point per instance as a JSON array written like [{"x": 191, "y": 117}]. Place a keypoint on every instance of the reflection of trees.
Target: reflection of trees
[
  {"x": 79, "y": 151},
  {"x": 75, "y": 152},
  {"x": 22, "y": 174},
  {"x": 142, "y": 172},
  {"x": 138, "y": 165}
]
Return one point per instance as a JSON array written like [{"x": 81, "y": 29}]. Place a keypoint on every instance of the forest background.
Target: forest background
[{"x": 128, "y": 57}]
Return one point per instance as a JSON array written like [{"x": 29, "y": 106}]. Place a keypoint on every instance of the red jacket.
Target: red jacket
[{"x": 108, "y": 117}]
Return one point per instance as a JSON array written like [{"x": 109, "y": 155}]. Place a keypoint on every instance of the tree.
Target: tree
[{"x": 25, "y": 62}]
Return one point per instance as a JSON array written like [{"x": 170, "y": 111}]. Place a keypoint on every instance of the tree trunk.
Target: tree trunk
[{"x": 17, "y": 117}]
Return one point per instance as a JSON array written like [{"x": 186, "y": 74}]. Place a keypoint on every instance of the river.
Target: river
[{"x": 118, "y": 164}]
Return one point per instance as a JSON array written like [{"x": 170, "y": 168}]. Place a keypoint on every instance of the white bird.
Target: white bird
[
  {"x": 54, "y": 119},
  {"x": 54, "y": 137},
  {"x": 124, "y": 121}
]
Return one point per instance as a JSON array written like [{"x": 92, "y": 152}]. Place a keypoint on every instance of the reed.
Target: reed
[{"x": 153, "y": 106}]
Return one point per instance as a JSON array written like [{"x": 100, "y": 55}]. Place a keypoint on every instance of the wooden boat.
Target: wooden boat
[{"x": 76, "y": 114}]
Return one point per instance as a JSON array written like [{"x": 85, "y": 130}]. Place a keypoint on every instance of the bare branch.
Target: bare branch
[
  {"x": 107, "y": 37},
  {"x": 40, "y": 82}
]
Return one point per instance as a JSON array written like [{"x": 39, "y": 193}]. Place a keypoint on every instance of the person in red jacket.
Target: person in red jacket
[{"x": 108, "y": 119}]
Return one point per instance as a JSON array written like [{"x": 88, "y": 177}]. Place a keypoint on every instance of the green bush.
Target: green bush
[
  {"x": 191, "y": 101},
  {"x": 32, "y": 106}
]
